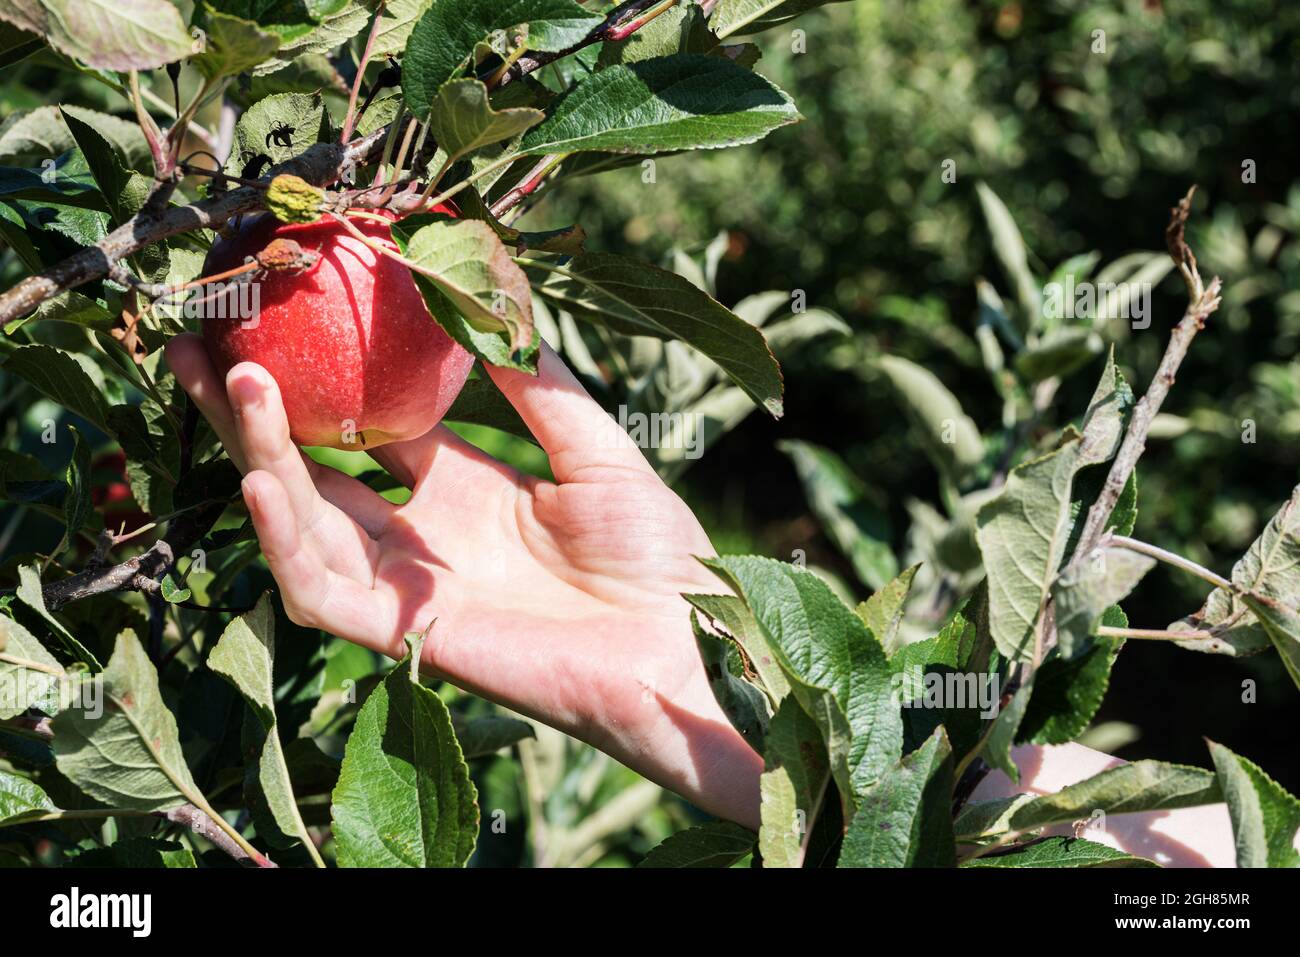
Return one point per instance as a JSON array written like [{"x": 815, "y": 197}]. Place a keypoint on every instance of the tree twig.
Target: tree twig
[
  {"x": 622, "y": 22},
  {"x": 533, "y": 179},
  {"x": 1170, "y": 558},
  {"x": 140, "y": 572},
  {"x": 187, "y": 815},
  {"x": 320, "y": 165},
  {"x": 1202, "y": 301}
]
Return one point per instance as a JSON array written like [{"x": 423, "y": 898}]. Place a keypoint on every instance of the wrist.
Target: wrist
[{"x": 658, "y": 715}]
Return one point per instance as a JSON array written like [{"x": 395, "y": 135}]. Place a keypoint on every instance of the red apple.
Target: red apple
[
  {"x": 111, "y": 496},
  {"x": 349, "y": 340}
]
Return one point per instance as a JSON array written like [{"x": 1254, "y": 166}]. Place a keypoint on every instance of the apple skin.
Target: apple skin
[
  {"x": 349, "y": 340},
  {"x": 111, "y": 496}
]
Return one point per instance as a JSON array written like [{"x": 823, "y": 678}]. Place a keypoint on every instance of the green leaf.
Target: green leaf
[
  {"x": 77, "y": 507},
  {"x": 636, "y": 299},
  {"x": 396, "y": 20},
  {"x": 1010, "y": 249},
  {"x": 1082, "y": 594},
  {"x": 232, "y": 45},
  {"x": 28, "y": 673},
  {"x": 978, "y": 819},
  {"x": 828, "y": 649},
  {"x": 923, "y": 670},
  {"x": 1061, "y": 852},
  {"x": 796, "y": 773},
  {"x": 750, "y": 16},
  {"x": 462, "y": 120},
  {"x": 1281, "y": 622},
  {"x": 480, "y": 402},
  {"x": 30, "y": 136},
  {"x": 128, "y": 756},
  {"x": 125, "y": 191},
  {"x": 17, "y": 45},
  {"x": 404, "y": 797},
  {"x": 1023, "y": 532},
  {"x": 484, "y": 736},
  {"x": 1271, "y": 569},
  {"x": 731, "y": 616},
  {"x": 60, "y": 377},
  {"x": 716, "y": 844},
  {"x": 462, "y": 262},
  {"x": 1006, "y": 726},
  {"x": 683, "y": 102},
  {"x": 905, "y": 819},
  {"x": 171, "y": 592},
  {"x": 23, "y": 480},
  {"x": 1087, "y": 486},
  {"x": 948, "y": 435},
  {"x": 280, "y": 127},
  {"x": 136, "y": 852},
  {"x": 1059, "y": 353},
  {"x": 65, "y": 183},
  {"x": 245, "y": 656},
  {"x": 1126, "y": 789},
  {"x": 308, "y": 27},
  {"x": 116, "y": 34},
  {"x": 567, "y": 240},
  {"x": 839, "y": 499},
  {"x": 1069, "y": 688},
  {"x": 30, "y": 594},
  {"x": 443, "y": 39},
  {"x": 20, "y": 797},
  {"x": 683, "y": 29},
  {"x": 1265, "y": 818},
  {"x": 799, "y": 330},
  {"x": 70, "y": 307},
  {"x": 883, "y": 611},
  {"x": 744, "y": 704}
]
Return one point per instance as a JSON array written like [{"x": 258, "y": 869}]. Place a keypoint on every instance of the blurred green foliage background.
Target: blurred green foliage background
[{"x": 1088, "y": 148}]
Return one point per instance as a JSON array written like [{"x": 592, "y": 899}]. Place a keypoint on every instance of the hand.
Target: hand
[
  {"x": 1198, "y": 836},
  {"x": 558, "y": 600}
]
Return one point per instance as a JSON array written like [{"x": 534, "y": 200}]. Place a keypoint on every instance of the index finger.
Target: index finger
[
  {"x": 190, "y": 363},
  {"x": 577, "y": 435}
]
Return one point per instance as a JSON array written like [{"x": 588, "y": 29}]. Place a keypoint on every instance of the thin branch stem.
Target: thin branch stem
[
  {"x": 350, "y": 119},
  {"x": 622, "y": 22},
  {"x": 532, "y": 180},
  {"x": 31, "y": 665},
  {"x": 1155, "y": 634},
  {"x": 202, "y": 132},
  {"x": 83, "y": 814},
  {"x": 320, "y": 165},
  {"x": 1202, "y": 303},
  {"x": 208, "y": 824},
  {"x": 1170, "y": 558}
]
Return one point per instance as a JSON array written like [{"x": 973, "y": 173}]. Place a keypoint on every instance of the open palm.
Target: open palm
[{"x": 559, "y": 600}]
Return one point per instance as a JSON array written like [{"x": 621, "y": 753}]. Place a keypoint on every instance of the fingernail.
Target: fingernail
[
  {"x": 245, "y": 393},
  {"x": 250, "y": 494}
]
